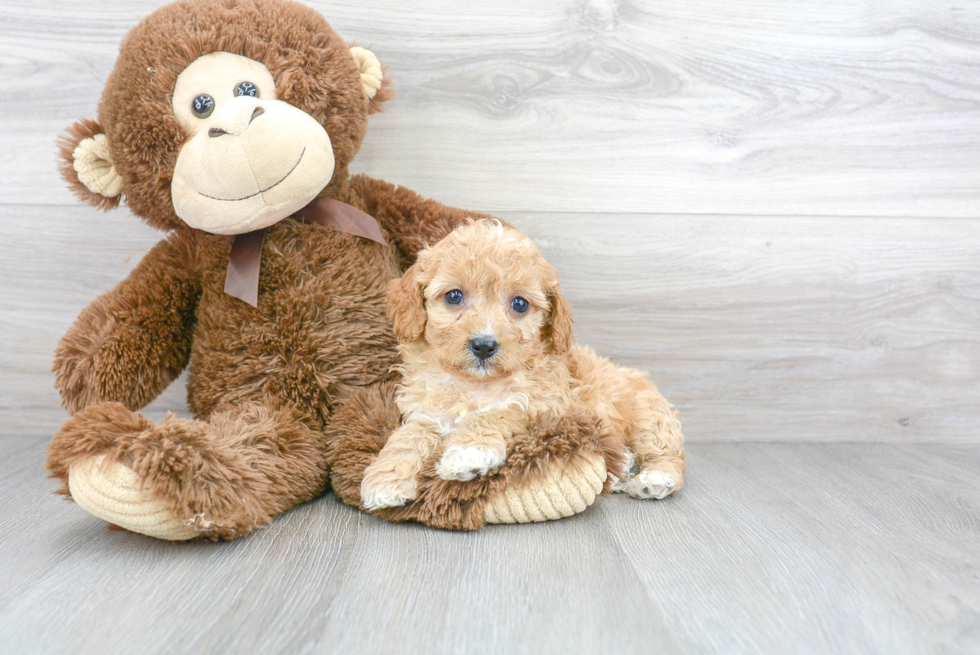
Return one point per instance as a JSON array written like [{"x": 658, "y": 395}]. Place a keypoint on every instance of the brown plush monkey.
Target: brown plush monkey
[{"x": 231, "y": 124}]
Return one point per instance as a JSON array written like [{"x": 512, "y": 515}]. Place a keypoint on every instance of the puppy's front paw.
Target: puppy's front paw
[
  {"x": 651, "y": 483},
  {"x": 380, "y": 489},
  {"x": 463, "y": 464}
]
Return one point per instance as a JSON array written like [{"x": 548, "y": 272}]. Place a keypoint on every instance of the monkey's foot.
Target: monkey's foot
[
  {"x": 565, "y": 491},
  {"x": 113, "y": 493}
]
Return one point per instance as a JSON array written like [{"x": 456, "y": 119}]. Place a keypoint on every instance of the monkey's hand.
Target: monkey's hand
[
  {"x": 131, "y": 342},
  {"x": 408, "y": 219}
]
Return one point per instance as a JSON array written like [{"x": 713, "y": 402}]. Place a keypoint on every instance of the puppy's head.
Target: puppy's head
[{"x": 484, "y": 300}]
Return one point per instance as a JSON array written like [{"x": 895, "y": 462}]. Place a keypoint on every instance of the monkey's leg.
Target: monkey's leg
[{"x": 182, "y": 479}]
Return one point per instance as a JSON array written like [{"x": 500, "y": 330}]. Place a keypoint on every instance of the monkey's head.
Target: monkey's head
[{"x": 225, "y": 115}]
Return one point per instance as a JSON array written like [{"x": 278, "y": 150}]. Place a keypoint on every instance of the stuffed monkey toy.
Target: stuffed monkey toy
[{"x": 231, "y": 125}]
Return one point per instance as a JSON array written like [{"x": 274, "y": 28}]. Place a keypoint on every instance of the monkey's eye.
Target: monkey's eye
[
  {"x": 246, "y": 89},
  {"x": 519, "y": 305},
  {"x": 454, "y": 297},
  {"x": 202, "y": 105}
]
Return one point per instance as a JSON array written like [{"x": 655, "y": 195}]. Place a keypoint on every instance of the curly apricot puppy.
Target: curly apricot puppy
[{"x": 486, "y": 343}]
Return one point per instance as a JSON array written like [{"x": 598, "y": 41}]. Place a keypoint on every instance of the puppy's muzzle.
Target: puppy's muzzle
[{"x": 484, "y": 347}]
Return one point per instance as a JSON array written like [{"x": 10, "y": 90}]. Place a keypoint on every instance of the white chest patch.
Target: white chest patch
[{"x": 447, "y": 400}]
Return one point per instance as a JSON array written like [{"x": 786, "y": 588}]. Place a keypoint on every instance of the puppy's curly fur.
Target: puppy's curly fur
[{"x": 486, "y": 344}]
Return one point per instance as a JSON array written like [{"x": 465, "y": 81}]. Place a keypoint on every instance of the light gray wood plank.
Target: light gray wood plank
[
  {"x": 836, "y": 549},
  {"x": 757, "y": 328},
  {"x": 784, "y": 328},
  {"x": 496, "y": 591},
  {"x": 762, "y": 107},
  {"x": 772, "y": 548}
]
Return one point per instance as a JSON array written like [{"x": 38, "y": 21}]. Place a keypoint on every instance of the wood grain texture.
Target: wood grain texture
[
  {"x": 784, "y": 328},
  {"x": 758, "y": 107},
  {"x": 769, "y": 548},
  {"x": 779, "y": 327},
  {"x": 706, "y": 177},
  {"x": 756, "y": 328}
]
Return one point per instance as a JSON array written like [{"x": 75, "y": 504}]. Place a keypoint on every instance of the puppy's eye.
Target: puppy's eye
[
  {"x": 519, "y": 305},
  {"x": 454, "y": 297},
  {"x": 202, "y": 105}
]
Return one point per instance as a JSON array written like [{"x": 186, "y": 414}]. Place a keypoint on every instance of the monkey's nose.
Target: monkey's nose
[
  {"x": 484, "y": 347},
  {"x": 215, "y": 132}
]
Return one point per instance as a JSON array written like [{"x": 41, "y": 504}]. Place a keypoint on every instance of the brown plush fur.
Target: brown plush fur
[
  {"x": 265, "y": 383},
  {"x": 228, "y": 475},
  {"x": 320, "y": 331},
  {"x": 361, "y": 428},
  {"x": 310, "y": 63}
]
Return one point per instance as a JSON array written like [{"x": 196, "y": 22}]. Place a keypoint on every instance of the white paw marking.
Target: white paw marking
[
  {"x": 651, "y": 483},
  {"x": 381, "y": 493},
  {"x": 632, "y": 466},
  {"x": 459, "y": 463}
]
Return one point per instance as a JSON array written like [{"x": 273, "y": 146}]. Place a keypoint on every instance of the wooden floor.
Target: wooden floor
[{"x": 776, "y": 548}]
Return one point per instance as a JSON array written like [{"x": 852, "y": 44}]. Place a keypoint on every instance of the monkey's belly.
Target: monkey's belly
[{"x": 320, "y": 329}]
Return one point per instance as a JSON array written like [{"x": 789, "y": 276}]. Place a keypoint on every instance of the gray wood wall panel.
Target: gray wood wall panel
[
  {"x": 771, "y": 328},
  {"x": 757, "y": 328},
  {"x": 772, "y": 206},
  {"x": 771, "y": 107}
]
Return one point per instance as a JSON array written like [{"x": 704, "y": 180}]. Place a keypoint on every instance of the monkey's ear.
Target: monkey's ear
[
  {"x": 87, "y": 166},
  {"x": 406, "y": 306},
  {"x": 377, "y": 87}
]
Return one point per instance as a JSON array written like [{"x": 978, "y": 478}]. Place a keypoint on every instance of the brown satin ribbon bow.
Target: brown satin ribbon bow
[{"x": 245, "y": 261}]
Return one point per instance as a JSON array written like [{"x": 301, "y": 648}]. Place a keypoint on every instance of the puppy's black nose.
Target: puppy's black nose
[{"x": 484, "y": 347}]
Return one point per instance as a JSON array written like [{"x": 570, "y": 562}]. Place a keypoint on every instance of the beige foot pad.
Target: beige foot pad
[
  {"x": 561, "y": 494},
  {"x": 114, "y": 495}
]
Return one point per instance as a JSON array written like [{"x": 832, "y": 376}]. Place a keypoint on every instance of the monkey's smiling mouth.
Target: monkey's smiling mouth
[{"x": 281, "y": 180}]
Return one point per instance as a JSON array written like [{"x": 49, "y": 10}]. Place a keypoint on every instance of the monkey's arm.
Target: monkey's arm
[
  {"x": 407, "y": 218},
  {"x": 131, "y": 342}
]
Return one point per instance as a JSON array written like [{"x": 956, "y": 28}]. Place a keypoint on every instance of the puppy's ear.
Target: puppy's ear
[
  {"x": 406, "y": 306},
  {"x": 559, "y": 326}
]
